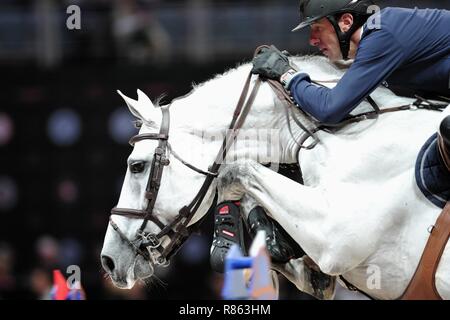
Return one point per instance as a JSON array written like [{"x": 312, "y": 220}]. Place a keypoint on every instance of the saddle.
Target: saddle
[
  {"x": 433, "y": 178},
  {"x": 433, "y": 170}
]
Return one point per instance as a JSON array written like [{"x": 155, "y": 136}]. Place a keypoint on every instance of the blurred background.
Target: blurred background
[{"x": 64, "y": 130}]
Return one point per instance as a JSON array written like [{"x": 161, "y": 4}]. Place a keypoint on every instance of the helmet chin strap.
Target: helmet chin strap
[{"x": 344, "y": 37}]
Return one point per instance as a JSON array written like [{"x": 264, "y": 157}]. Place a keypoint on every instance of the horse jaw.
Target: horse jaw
[
  {"x": 143, "y": 108},
  {"x": 120, "y": 261}
]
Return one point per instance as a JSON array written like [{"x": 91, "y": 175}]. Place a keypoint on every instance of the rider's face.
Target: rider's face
[{"x": 324, "y": 37}]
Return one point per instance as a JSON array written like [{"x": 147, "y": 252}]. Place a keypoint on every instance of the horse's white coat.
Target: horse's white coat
[{"x": 359, "y": 213}]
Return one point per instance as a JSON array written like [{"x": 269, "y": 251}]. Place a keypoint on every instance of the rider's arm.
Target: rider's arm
[{"x": 379, "y": 54}]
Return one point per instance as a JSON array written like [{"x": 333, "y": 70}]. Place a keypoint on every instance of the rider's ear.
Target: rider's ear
[
  {"x": 142, "y": 108},
  {"x": 346, "y": 22}
]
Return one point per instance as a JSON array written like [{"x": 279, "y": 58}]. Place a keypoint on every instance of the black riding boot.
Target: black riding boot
[
  {"x": 444, "y": 146},
  {"x": 280, "y": 245},
  {"x": 444, "y": 130}
]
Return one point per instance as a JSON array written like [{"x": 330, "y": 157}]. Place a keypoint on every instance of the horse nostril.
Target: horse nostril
[{"x": 108, "y": 264}]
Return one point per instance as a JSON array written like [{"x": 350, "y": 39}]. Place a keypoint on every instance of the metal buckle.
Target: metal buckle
[
  {"x": 162, "y": 261},
  {"x": 149, "y": 240},
  {"x": 165, "y": 161},
  {"x": 413, "y": 107}
]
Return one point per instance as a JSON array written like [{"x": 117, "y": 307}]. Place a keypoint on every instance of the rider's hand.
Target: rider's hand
[{"x": 271, "y": 63}]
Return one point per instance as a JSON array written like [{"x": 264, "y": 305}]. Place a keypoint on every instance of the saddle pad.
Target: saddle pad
[{"x": 432, "y": 176}]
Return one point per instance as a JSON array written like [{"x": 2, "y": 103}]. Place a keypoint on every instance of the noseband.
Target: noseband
[{"x": 177, "y": 230}]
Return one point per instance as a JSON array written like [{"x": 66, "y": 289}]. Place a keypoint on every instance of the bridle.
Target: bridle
[{"x": 146, "y": 243}]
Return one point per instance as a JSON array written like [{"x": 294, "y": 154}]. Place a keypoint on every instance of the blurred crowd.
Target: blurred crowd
[
  {"x": 154, "y": 32},
  {"x": 189, "y": 276}
]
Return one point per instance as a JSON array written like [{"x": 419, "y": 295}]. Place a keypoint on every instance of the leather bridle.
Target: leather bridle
[{"x": 145, "y": 243}]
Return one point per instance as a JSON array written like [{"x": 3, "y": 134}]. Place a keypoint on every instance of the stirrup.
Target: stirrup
[
  {"x": 228, "y": 230},
  {"x": 280, "y": 245}
]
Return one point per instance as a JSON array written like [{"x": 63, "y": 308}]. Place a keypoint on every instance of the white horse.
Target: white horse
[{"x": 359, "y": 213}]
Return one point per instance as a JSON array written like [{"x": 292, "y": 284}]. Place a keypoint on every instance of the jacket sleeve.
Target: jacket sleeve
[{"x": 379, "y": 54}]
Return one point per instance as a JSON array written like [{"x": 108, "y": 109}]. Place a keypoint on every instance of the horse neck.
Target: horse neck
[
  {"x": 208, "y": 111},
  {"x": 210, "y": 107}
]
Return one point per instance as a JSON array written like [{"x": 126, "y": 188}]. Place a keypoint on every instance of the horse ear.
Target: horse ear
[{"x": 142, "y": 108}]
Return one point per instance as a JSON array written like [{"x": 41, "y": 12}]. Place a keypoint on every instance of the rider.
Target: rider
[
  {"x": 404, "y": 47},
  {"x": 409, "y": 48},
  {"x": 396, "y": 46}
]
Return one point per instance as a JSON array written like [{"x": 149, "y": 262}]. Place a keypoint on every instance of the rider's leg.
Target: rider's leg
[
  {"x": 444, "y": 141},
  {"x": 444, "y": 130},
  {"x": 287, "y": 256}
]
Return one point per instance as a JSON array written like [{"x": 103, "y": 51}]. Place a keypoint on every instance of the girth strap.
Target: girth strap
[{"x": 422, "y": 285}]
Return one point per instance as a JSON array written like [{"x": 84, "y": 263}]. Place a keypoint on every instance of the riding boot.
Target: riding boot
[
  {"x": 280, "y": 245},
  {"x": 228, "y": 230},
  {"x": 444, "y": 141}
]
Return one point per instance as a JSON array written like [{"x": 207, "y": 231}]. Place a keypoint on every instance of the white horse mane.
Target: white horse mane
[{"x": 229, "y": 84}]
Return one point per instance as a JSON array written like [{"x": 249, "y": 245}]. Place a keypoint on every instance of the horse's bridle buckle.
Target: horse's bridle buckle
[{"x": 149, "y": 240}]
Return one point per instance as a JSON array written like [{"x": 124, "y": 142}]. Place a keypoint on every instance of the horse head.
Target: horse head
[
  {"x": 168, "y": 186},
  {"x": 128, "y": 253}
]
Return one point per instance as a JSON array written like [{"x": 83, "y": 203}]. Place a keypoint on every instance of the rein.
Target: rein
[{"x": 290, "y": 104}]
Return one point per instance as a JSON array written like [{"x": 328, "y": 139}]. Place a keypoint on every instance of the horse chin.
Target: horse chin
[
  {"x": 142, "y": 269},
  {"x": 123, "y": 284}
]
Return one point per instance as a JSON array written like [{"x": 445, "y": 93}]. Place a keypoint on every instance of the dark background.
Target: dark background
[{"x": 64, "y": 130}]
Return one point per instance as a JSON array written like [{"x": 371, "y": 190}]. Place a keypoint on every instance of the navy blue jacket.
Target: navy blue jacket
[{"x": 411, "y": 49}]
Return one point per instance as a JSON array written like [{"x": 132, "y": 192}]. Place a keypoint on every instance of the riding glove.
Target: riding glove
[{"x": 271, "y": 63}]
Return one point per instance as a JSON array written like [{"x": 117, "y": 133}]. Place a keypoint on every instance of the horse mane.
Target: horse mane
[
  {"x": 311, "y": 64},
  {"x": 225, "y": 88}
]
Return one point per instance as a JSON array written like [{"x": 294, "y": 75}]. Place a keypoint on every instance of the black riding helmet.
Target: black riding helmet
[{"x": 314, "y": 10}]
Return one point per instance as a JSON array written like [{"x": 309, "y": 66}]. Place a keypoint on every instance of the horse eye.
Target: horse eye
[{"x": 137, "y": 167}]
